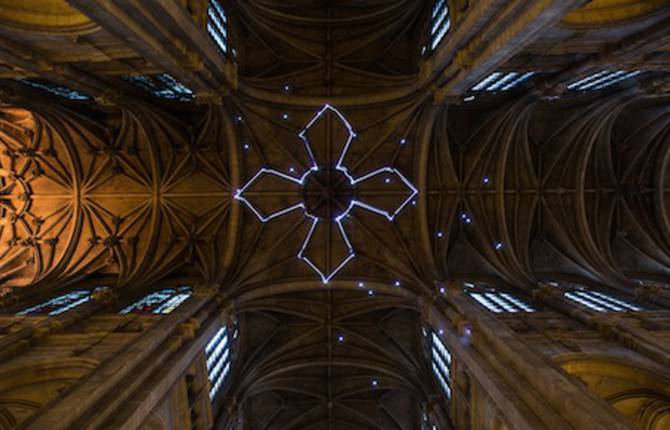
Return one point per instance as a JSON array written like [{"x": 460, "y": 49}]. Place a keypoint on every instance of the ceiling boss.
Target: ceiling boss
[{"x": 327, "y": 192}]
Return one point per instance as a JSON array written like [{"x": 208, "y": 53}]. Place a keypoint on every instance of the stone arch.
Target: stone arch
[
  {"x": 636, "y": 390},
  {"x": 155, "y": 422},
  {"x": 597, "y": 13},
  {"x": 25, "y": 389},
  {"x": 48, "y": 16},
  {"x": 499, "y": 423}
]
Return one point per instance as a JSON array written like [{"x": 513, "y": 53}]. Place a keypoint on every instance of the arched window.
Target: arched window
[
  {"x": 596, "y": 300},
  {"x": 494, "y": 300},
  {"x": 217, "y": 26},
  {"x": 602, "y": 79},
  {"x": 440, "y": 360},
  {"x": 159, "y": 302},
  {"x": 440, "y": 23},
  {"x": 217, "y": 353},
  {"x": 59, "y": 304},
  {"x": 163, "y": 86},
  {"x": 56, "y": 90},
  {"x": 502, "y": 81}
]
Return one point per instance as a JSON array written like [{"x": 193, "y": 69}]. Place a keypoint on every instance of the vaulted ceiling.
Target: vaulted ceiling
[{"x": 512, "y": 188}]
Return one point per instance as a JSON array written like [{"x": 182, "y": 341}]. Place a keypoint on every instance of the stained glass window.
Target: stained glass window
[
  {"x": 217, "y": 352},
  {"x": 159, "y": 302},
  {"x": 57, "y": 90},
  {"x": 601, "y": 302},
  {"x": 502, "y": 81},
  {"x": 60, "y": 304},
  {"x": 440, "y": 23},
  {"x": 217, "y": 25},
  {"x": 441, "y": 363},
  {"x": 496, "y": 301},
  {"x": 602, "y": 79},
  {"x": 163, "y": 86},
  {"x": 595, "y": 300}
]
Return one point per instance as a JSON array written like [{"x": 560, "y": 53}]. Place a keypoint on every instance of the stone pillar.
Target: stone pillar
[
  {"x": 123, "y": 391},
  {"x": 34, "y": 328},
  {"x": 612, "y": 327},
  {"x": 528, "y": 387}
]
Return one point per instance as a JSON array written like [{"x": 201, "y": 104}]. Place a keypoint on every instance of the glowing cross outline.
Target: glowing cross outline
[{"x": 325, "y": 278}]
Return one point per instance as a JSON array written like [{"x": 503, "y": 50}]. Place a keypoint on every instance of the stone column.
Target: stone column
[
  {"x": 612, "y": 327},
  {"x": 121, "y": 392},
  {"x": 519, "y": 373}
]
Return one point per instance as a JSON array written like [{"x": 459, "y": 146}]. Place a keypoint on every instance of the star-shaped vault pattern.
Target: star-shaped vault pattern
[{"x": 326, "y": 192}]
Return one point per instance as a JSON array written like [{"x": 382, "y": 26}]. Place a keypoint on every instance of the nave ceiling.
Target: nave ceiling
[{"x": 129, "y": 191}]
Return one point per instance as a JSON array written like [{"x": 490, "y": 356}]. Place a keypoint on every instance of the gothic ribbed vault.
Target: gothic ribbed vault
[{"x": 514, "y": 188}]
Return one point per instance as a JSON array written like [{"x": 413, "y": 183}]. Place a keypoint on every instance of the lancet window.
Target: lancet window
[
  {"x": 217, "y": 25},
  {"x": 440, "y": 23},
  {"x": 441, "y": 363},
  {"x": 217, "y": 352}
]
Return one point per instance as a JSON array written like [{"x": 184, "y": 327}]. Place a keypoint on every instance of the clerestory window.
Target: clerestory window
[
  {"x": 59, "y": 304},
  {"x": 159, "y": 302},
  {"x": 440, "y": 23},
  {"x": 218, "y": 357},
  {"x": 441, "y": 363}
]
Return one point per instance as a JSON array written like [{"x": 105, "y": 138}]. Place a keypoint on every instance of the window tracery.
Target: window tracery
[
  {"x": 440, "y": 23},
  {"x": 59, "y": 304},
  {"x": 440, "y": 363},
  {"x": 161, "y": 302},
  {"x": 502, "y": 81},
  {"x": 596, "y": 300},
  {"x": 217, "y": 25},
  {"x": 602, "y": 79},
  {"x": 56, "y": 90},
  {"x": 496, "y": 301},
  {"x": 218, "y": 357},
  {"x": 163, "y": 86}
]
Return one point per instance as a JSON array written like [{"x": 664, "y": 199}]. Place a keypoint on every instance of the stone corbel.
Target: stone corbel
[
  {"x": 648, "y": 292},
  {"x": 549, "y": 91},
  {"x": 193, "y": 61},
  {"x": 210, "y": 98},
  {"x": 7, "y": 297},
  {"x": 604, "y": 325},
  {"x": 543, "y": 292},
  {"x": 175, "y": 341},
  {"x": 188, "y": 329},
  {"x": 228, "y": 315},
  {"x": 205, "y": 290},
  {"x": 46, "y": 66},
  {"x": 108, "y": 98},
  {"x": 464, "y": 59},
  {"x": 105, "y": 296},
  {"x": 655, "y": 87}
]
